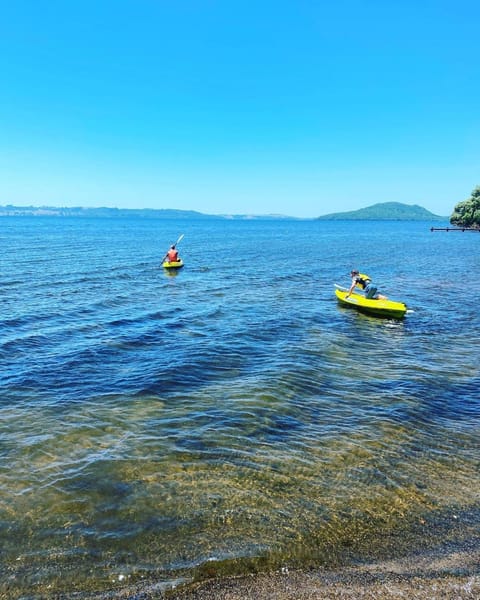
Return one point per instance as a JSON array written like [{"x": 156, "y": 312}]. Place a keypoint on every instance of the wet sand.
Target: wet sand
[
  {"x": 331, "y": 587},
  {"x": 454, "y": 576}
]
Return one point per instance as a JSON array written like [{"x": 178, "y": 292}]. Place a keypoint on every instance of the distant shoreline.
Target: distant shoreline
[
  {"x": 121, "y": 213},
  {"x": 389, "y": 211}
]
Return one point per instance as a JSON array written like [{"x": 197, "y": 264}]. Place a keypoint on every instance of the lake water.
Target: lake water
[{"x": 231, "y": 418}]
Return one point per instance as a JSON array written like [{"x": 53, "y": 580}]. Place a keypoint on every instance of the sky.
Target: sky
[{"x": 296, "y": 107}]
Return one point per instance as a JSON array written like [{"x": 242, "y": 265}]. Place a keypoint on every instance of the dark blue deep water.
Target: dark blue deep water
[{"x": 231, "y": 417}]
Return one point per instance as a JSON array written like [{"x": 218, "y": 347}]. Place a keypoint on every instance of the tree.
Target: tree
[{"x": 467, "y": 213}]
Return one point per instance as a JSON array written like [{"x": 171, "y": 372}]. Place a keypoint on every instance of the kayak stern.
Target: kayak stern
[{"x": 175, "y": 264}]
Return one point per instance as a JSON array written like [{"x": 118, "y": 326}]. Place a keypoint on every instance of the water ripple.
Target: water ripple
[{"x": 233, "y": 411}]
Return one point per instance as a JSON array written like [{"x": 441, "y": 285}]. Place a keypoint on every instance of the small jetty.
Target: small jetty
[{"x": 455, "y": 229}]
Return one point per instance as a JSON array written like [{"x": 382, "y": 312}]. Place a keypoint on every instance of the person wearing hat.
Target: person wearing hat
[{"x": 367, "y": 286}]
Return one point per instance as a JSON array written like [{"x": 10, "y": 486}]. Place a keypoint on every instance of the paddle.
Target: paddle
[
  {"x": 179, "y": 239},
  {"x": 174, "y": 245}
]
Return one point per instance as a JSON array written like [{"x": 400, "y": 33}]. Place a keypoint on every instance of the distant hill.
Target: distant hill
[
  {"x": 386, "y": 211},
  {"x": 393, "y": 211},
  {"x": 79, "y": 211},
  {"x": 119, "y": 213}
]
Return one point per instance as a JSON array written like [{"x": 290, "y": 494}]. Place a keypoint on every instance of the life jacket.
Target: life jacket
[
  {"x": 172, "y": 255},
  {"x": 362, "y": 282}
]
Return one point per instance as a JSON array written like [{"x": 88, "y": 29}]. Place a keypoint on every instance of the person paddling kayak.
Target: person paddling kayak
[
  {"x": 172, "y": 254},
  {"x": 367, "y": 286}
]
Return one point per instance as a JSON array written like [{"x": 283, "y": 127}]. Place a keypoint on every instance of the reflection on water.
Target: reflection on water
[{"x": 233, "y": 417}]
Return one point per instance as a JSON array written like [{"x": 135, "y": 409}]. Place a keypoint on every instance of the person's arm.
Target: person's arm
[{"x": 354, "y": 281}]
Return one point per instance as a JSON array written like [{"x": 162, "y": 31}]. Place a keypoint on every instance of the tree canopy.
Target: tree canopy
[{"x": 467, "y": 213}]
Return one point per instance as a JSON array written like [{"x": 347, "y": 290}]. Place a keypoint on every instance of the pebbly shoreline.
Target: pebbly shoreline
[{"x": 451, "y": 576}]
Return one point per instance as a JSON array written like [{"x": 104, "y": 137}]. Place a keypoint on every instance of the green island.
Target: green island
[{"x": 386, "y": 211}]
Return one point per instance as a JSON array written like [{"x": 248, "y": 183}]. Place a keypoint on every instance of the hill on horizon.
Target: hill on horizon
[
  {"x": 386, "y": 211},
  {"x": 393, "y": 211},
  {"x": 10, "y": 210}
]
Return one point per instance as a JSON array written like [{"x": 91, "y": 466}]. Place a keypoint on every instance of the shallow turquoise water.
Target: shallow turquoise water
[{"x": 154, "y": 425}]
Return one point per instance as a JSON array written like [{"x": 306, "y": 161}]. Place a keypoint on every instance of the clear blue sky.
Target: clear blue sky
[{"x": 239, "y": 106}]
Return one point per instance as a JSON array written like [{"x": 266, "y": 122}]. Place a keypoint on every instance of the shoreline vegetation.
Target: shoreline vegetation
[
  {"x": 466, "y": 214},
  {"x": 386, "y": 211}
]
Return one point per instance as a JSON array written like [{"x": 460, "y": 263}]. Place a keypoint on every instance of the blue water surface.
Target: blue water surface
[{"x": 151, "y": 423}]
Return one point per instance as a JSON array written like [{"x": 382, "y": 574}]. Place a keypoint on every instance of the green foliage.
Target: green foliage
[{"x": 467, "y": 213}]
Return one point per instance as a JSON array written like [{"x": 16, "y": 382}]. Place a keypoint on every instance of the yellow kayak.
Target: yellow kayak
[
  {"x": 379, "y": 308},
  {"x": 174, "y": 264}
]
